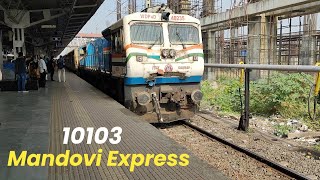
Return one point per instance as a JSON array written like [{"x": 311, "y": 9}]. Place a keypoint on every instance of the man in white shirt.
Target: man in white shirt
[{"x": 43, "y": 71}]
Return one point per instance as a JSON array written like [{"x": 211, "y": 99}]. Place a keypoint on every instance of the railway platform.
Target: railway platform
[{"x": 34, "y": 122}]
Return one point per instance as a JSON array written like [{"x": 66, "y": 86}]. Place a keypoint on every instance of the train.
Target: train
[{"x": 150, "y": 61}]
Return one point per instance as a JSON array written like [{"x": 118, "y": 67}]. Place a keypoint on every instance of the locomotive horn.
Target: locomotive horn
[{"x": 165, "y": 16}]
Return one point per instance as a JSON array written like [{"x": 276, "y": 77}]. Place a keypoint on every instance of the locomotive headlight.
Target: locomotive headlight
[
  {"x": 139, "y": 58},
  {"x": 165, "y": 53},
  {"x": 172, "y": 53}
]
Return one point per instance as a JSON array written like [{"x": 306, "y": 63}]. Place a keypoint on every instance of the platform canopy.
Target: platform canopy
[{"x": 50, "y": 23}]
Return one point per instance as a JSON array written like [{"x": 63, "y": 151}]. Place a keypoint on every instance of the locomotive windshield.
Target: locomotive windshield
[
  {"x": 183, "y": 34},
  {"x": 146, "y": 34}
]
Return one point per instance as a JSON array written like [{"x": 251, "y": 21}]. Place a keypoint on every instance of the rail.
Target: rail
[
  {"x": 248, "y": 152},
  {"x": 244, "y": 119}
]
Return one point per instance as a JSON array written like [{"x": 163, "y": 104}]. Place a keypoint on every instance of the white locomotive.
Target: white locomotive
[{"x": 153, "y": 64}]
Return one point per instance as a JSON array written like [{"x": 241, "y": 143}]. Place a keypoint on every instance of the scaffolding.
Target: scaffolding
[
  {"x": 195, "y": 8},
  {"x": 260, "y": 40}
]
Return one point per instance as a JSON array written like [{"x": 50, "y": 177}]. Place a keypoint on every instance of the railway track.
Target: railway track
[{"x": 284, "y": 170}]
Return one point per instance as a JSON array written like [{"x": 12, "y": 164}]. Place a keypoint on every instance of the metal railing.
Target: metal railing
[
  {"x": 293, "y": 68},
  {"x": 244, "y": 119}
]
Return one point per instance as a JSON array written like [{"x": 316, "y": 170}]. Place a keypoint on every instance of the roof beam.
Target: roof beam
[
  {"x": 68, "y": 37},
  {"x": 65, "y": 30},
  {"x": 71, "y": 27},
  {"x": 74, "y": 25},
  {"x": 71, "y": 18},
  {"x": 79, "y": 23},
  {"x": 75, "y": 18},
  {"x": 82, "y": 14},
  {"x": 85, "y": 6},
  {"x": 39, "y": 10},
  {"x": 301, "y": 13},
  {"x": 49, "y": 17},
  {"x": 70, "y": 34},
  {"x": 72, "y": 30}
]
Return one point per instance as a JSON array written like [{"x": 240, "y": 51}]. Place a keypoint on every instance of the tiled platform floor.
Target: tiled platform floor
[{"x": 35, "y": 121}]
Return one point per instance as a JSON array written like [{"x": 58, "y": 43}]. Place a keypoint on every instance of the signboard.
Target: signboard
[{"x": 243, "y": 53}]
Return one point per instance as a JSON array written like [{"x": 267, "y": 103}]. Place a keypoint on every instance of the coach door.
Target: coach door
[{"x": 118, "y": 56}]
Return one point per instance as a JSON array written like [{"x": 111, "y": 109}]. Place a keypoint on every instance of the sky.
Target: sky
[
  {"x": 106, "y": 15},
  {"x": 103, "y": 17}
]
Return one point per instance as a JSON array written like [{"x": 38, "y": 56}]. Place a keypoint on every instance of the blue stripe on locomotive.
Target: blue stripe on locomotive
[{"x": 162, "y": 80}]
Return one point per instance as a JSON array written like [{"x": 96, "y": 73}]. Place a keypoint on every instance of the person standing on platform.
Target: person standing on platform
[
  {"x": 43, "y": 71},
  {"x": 46, "y": 60},
  {"x": 51, "y": 67},
  {"x": 60, "y": 64},
  {"x": 34, "y": 69},
  {"x": 21, "y": 72}
]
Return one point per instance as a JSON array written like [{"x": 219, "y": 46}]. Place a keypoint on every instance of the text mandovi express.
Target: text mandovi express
[{"x": 115, "y": 158}]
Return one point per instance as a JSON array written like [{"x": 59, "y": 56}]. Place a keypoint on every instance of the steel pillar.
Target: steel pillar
[{"x": 18, "y": 41}]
